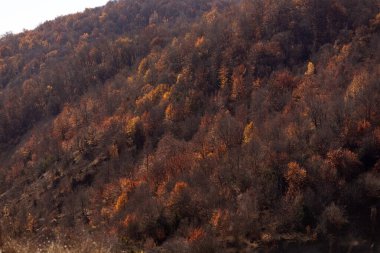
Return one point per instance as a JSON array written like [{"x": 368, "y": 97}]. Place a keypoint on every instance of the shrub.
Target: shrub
[{"x": 333, "y": 219}]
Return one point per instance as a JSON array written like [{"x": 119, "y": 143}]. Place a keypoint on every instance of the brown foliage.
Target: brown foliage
[{"x": 192, "y": 125}]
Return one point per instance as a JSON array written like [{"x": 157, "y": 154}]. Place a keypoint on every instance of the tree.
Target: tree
[{"x": 295, "y": 177}]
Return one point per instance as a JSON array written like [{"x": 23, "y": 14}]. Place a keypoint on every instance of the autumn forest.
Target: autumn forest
[{"x": 194, "y": 126}]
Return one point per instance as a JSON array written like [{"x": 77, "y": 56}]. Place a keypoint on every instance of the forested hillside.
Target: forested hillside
[{"x": 195, "y": 126}]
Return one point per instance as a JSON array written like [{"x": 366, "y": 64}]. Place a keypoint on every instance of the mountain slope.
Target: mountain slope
[{"x": 206, "y": 124}]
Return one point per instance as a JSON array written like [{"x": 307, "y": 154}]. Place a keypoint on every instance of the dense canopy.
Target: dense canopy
[{"x": 193, "y": 125}]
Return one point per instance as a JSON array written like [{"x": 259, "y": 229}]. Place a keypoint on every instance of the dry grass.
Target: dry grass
[{"x": 86, "y": 246}]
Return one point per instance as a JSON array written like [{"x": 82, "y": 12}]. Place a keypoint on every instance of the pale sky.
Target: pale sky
[{"x": 16, "y": 15}]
